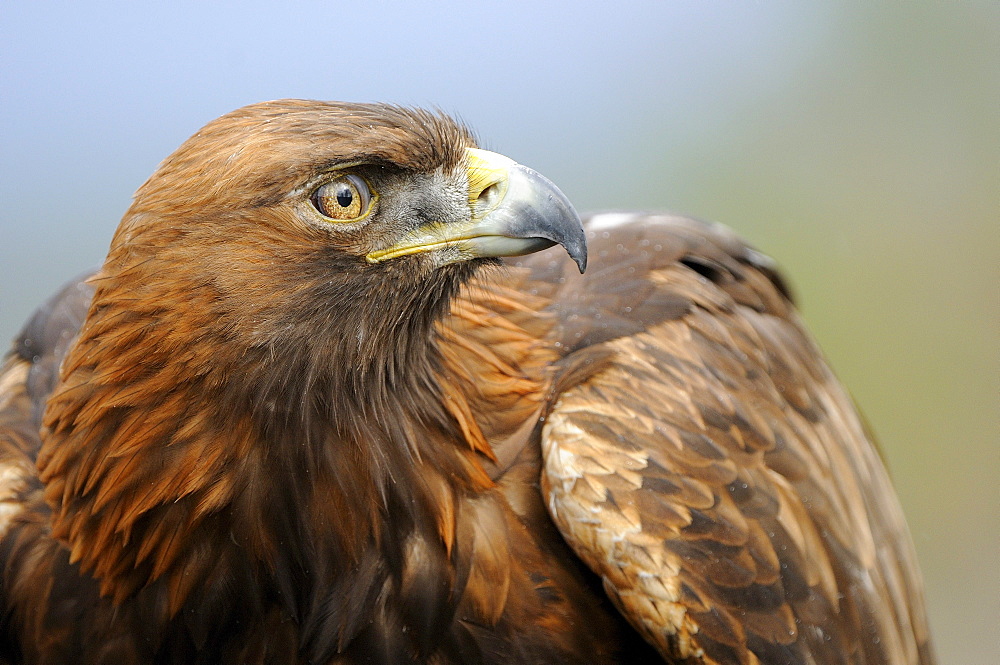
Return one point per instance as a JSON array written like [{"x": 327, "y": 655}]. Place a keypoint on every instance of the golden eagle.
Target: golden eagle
[{"x": 328, "y": 401}]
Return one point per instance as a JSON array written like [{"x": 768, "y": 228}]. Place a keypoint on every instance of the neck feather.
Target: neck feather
[{"x": 187, "y": 446}]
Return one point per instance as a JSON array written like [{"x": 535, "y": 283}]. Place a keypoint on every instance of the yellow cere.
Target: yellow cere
[{"x": 485, "y": 168}]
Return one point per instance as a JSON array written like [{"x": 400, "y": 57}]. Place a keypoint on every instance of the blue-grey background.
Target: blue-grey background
[{"x": 859, "y": 144}]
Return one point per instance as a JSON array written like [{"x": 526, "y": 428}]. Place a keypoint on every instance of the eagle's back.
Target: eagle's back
[{"x": 702, "y": 458}]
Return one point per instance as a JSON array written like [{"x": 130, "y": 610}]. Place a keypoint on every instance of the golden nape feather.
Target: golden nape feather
[{"x": 341, "y": 394}]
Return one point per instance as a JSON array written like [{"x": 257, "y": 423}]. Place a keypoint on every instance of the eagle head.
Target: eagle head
[{"x": 281, "y": 219}]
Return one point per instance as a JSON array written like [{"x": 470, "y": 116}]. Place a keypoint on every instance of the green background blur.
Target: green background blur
[{"x": 857, "y": 143}]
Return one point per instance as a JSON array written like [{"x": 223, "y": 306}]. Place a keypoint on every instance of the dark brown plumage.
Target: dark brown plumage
[{"x": 295, "y": 420}]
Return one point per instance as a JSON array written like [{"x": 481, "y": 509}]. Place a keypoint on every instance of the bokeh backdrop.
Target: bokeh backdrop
[{"x": 858, "y": 143}]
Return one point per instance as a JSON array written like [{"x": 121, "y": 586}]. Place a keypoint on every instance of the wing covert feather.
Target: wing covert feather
[{"x": 715, "y": 474}]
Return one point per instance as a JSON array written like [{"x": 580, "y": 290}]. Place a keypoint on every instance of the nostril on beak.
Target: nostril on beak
[{"x": 488, "y": 199}]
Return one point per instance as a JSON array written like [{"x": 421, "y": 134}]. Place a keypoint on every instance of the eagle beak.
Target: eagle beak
[{"x": 515, "y": 211}]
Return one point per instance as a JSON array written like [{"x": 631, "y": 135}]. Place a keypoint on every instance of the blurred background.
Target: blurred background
[{"x": 857, "y": 143}]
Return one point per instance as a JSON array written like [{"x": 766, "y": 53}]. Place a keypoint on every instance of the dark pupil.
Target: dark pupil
[{"x": 344, "y": 196}]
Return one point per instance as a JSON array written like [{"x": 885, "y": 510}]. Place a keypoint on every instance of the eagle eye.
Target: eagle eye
[{"x": 346, "y": 199}]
